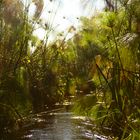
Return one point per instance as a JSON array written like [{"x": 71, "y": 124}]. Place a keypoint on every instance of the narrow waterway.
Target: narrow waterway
[{"x": 58, "y": 124}]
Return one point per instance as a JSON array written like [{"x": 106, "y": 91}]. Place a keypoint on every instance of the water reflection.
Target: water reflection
[{"x": 58, "y": 125}]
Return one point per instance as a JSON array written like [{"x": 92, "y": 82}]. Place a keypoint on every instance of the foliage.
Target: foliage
[
  {"x": 115, "y": 69},
  {"x": 100, "y": 65},
  {"x": 15, "y": 33}
]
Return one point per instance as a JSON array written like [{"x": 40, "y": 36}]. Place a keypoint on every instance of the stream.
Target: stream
[{"x": 58, "y": 124}]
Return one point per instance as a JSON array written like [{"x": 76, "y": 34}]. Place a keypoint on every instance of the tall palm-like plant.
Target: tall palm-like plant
[
  {"x": 117, "y": 72},
  {"x": 15, "y": 35}
]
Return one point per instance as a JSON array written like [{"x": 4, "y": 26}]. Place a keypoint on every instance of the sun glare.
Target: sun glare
[{"x": 62, "y": 14}]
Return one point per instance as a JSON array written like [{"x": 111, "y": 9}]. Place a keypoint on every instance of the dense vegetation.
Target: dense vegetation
[{"x": 100, "y": 64}]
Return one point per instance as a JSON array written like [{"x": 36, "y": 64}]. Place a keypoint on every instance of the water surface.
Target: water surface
[{"x": 58, "y": 124}]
